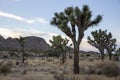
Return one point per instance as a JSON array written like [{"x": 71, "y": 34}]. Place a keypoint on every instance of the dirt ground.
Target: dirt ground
[{"x": 51, "y": 69}]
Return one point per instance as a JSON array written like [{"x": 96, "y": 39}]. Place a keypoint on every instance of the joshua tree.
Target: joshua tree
[
  {"x": 110, "y": 47},
  {"x": 102, "y": 41},
  {"x": 117, "y": 55},
  {"x": 118, "y": 51},
  {"x": 73, "y": 22},
  {"x": 59, "y": 44},
  {"x": 21, "y": 41}
]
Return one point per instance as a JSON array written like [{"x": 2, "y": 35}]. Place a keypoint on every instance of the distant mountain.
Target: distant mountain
[
  {"x": 31, "y": 43},
  {"x": 88, "y": 52}
]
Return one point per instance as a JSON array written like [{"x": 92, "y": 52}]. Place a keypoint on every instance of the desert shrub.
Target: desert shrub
[
  {"x": 5, "y": 56},
  {"x": 42, "y": 58},
  {"x": 91, "y": 59},
  {"x": 109, "y": 69},
  {"x": 82, "y": 55},
  {"x": 88, "y": 55},
  {"x": 91, "y": 70},
  {"x": 52, "y": 71},
  {"x": 11, "y": 53},
  {"x": 116, "y": 57},
  {"x": 59, "y": 76},
  {"x": 5, "y": 68},
  {"x": 23, "y": 72},
  {"x": 70, "y": 56},
  {"x": 50, "y": 59},
  {"x": 88, "y": 69},
  {"x": 51, "y": 53},
  {"x": 26, "y": 55},
  {"x": 17, "y": 63}
]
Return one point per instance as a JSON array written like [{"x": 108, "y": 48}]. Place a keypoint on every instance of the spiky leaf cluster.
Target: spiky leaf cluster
[
  {"x": 102, "y": 40},
  {"x": 21, "y": 40},
  {"x": 71, "y": 17},
  {"x": 59, "y": 43}
]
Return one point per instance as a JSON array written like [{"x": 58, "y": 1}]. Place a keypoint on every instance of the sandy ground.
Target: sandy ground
[{"x": 50, "y": 69}]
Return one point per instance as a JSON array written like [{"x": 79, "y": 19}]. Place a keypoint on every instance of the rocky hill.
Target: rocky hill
[
  {"x": 31, "y": 43},
  {"x": 35, "y": 43}
]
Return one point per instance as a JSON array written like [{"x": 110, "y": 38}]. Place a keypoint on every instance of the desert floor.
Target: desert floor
[{"x": 51, "y": 69}]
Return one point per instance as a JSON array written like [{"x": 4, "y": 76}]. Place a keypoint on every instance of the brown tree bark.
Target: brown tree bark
[
  {"x": 76, "y": 58},
  {"x": 110, "y": 56}
]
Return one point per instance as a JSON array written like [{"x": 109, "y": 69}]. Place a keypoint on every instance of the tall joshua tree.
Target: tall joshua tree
[
  {"x": 102, "y": 41},
  {"x": 73, "y": 22},
  {"x": 21, "y": 41}
]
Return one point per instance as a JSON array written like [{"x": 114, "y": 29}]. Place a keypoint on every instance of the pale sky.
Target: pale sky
[{"x": 32, "y": 18}]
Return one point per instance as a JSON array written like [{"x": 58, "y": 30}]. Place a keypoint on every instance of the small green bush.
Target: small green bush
[
  {"x": 88, "y": 55},
  {"x": 59, "y": 76},
  {"x": 5, "y": 56},
  {"x": 11, "y": 53},
  {"x": 116, "y": 57},
  {"x": 91, "y": 59},
  {"x": 91, "y": 70},
  {"x": 5, "y": 68},
  {"x": 109, "y": 69},
  {"x": 70, "y": 56},
  {"x": 81, "y": 55}
]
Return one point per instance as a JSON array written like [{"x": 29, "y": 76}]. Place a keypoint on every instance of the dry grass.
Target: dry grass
[
  {"x": 51, "y": 68},
  {"x": 38, "y": 76}
]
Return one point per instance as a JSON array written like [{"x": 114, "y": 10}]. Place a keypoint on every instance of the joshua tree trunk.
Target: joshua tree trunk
[
  {"x": 76, "y": 58},
  {"x": 110, "y": 55},
  {"x": 102, "y": 58},
  {"x": 102, "y": 55},
  {"x": 65, "y": 55},
  {"x": 23, "y": 58},
  {"x": 63, "y": 58},
  {"x": 23, "y": 54}
]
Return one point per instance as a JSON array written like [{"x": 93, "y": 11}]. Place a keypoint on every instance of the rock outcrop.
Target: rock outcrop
[{"x": 32, "y": 43}]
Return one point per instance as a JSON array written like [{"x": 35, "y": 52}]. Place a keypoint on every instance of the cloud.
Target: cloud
[
  {"x": 30, "y": 21},
  {"x": 9, "y": 33},
  {"x": 37, "y": 20},
  {"x": 22, "y": 19},
  {"x": 42, "y": 20},
  {"x": 15, "y": 33},
  {"x": 8, "y": 15}
]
